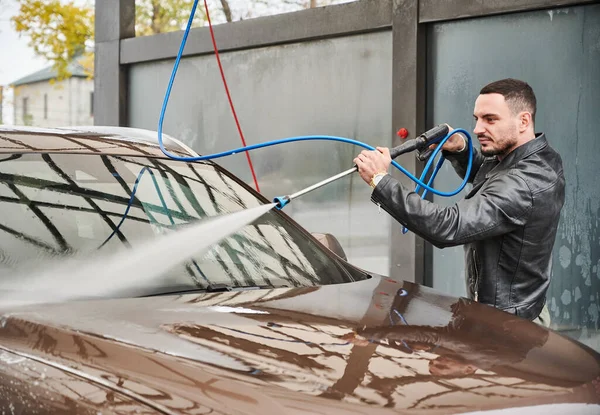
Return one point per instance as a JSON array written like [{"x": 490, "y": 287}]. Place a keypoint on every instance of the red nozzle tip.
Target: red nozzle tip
[{"x": 402, "y": 133}]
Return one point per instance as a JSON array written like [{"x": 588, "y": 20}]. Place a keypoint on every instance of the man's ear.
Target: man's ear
[{"x": 525, "y": 121}]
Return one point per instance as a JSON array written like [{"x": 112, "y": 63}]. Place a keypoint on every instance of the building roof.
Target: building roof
[{"x": 48, "y": 73}]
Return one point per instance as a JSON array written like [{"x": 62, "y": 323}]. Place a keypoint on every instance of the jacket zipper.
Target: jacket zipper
[
  {"x": 476, "y": 284},
  {"x": 474, "y": 254}
]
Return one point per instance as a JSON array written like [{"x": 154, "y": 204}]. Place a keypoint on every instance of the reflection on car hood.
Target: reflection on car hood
[{"x": 375, "y": 346}]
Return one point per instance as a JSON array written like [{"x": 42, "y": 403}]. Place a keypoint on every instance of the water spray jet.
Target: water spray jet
[{"x": 131, "y": 272}]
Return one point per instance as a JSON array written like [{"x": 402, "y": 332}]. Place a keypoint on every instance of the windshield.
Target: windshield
[{"x": 76, "y": 204}]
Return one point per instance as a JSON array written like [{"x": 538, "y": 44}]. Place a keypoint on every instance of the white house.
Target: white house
[{"x": 39, "y": 102}]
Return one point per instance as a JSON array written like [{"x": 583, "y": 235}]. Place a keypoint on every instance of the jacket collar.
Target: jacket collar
[{"x": 521, "y": 152}]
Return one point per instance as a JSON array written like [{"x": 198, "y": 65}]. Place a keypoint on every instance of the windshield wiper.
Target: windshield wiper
[{"x": 216, "y": 288}]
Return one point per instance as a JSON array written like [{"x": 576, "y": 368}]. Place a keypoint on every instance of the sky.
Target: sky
[{"x": 16, "y": 57}]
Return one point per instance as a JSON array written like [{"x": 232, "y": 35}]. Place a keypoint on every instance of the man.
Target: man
[{"x": 508, "y": 221}]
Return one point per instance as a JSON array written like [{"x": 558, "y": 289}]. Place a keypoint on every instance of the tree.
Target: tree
[
  {"x": 61, "y": 30},
  {"x": 58, "y": 31},
  {"x": 159, "y": 16},
  {"x": 226, "y": 10},
  {"x": 244, "y": 9}
]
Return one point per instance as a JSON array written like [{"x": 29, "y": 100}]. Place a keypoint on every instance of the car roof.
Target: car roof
[{"x": 88, "y": 139}]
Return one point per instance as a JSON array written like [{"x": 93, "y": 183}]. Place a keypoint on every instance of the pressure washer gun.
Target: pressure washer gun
[{"x": 420, "y": 144}]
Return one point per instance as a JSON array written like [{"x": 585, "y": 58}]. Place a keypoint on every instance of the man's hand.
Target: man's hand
[
  {"x": 370, "y": 163},
  {"x": 455, "y": 144}
]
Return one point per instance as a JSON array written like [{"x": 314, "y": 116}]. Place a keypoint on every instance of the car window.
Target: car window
[{"x": 61, "y": 205}]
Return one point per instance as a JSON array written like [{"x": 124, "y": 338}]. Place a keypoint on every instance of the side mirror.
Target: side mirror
[{"x": 331, "y": 242}]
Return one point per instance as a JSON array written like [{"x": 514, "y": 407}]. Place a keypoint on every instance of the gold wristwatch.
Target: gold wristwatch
[{"x": 376, "y": 179}]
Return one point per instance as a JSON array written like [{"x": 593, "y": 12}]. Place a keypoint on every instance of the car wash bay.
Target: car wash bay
[{"x": 363, "y": 70}]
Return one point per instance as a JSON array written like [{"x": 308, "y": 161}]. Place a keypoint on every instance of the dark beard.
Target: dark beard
[
  {"x": 500, "y": 151},
  {"x": 492, "y": 152}
]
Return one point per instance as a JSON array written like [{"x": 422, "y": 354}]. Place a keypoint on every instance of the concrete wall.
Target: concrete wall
[{"x": 56, "y": 104}]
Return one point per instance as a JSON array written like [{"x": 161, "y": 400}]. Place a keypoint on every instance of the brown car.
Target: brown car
[{"x": 266, "y": 321}]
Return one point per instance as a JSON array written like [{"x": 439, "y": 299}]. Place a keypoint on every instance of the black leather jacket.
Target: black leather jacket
[{"x": 507, "y": 222}]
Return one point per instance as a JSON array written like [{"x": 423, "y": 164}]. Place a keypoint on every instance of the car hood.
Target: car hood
[{"x": 374, "y": 346}]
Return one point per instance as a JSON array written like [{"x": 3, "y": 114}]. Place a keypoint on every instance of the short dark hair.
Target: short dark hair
[{"x": 518, "y": 95}]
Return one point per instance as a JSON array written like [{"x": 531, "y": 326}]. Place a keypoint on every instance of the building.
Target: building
[{"x": 41, "y": 100}]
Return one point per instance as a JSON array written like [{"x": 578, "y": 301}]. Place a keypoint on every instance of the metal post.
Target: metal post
[
  {"x": 115, "y": 20},
  {"x": 407, "y": 254}
]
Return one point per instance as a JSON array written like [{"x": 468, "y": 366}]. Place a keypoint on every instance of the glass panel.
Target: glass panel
[
  {"x": 332, "y": 87},
  {"x": 558, "y": 53}
]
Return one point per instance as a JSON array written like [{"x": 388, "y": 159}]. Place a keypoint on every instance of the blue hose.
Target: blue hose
[
  {"x": 130, "y": 202},
  {"x": 419, "y": 182},
  {"x": 132, "y": 198},
  {"x": 163, "y": 203},
  {"x": 438, "y": 166}
]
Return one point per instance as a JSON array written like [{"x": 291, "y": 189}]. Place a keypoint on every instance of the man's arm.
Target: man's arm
[
  {"x": 456, "y": 149},
  {"x": 499, "y": 208},
  {"x": 460, "y": 161}
]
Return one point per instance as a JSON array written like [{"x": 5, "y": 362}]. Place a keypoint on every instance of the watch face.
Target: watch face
[{"x": 377, "y": 179}]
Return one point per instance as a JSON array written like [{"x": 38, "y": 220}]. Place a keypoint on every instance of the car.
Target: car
[{"x": 269, "y": 319}]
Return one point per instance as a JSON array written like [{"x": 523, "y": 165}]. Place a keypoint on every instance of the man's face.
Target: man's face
[
  {"x": 445, "y": 366},
  {"x": 495, "y": 125}
]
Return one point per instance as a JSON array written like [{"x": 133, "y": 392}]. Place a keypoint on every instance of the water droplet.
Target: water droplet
[
  {"x": 566, "y": 297},
  {"x": 593, "y": 312},
  {"x": 577, "y": 294},
  {"x": 564, "y": 256}
]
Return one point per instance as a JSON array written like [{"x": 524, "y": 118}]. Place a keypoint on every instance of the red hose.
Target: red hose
[{"x": 237, "y": 123}]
